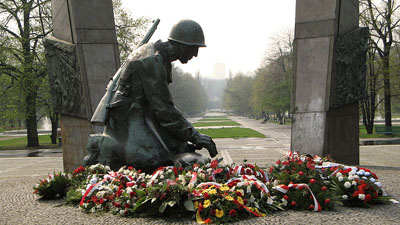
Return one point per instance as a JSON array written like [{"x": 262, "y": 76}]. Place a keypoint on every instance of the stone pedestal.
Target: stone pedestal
[
  {"x": 329, "y": 68},
  {"x": 85, "y": 30}
]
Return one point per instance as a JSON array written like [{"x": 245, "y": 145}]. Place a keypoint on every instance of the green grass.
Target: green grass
[
  {"x": 215, "y": 119},
  {"x": 363, "y": 133},
  {"x": 21, "y": 142},
  {"x": 233, "y": 132},
  {"x": 209, "y": 124}
]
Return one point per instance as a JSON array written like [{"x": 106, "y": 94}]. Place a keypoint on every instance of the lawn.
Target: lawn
[
  {"x": 221, "y": 123},
  {"x": 233, "y": 132},
  {"x": 21, "y": 142},
  {"x": 215, "y": 119},
  {"x": 363, "y": 132}
]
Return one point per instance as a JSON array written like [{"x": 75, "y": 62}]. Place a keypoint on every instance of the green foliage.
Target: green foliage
[
  {"x": 130, "y": 31},
  {"x": 55, "y": 186},
  {"x": 214, "y": 119},
  {"x": 363, "y": 132},
  {"x": 187, "y": 93},
  {"x": 233, "y": 132},
  {"x": 237, "y": 94},
  {"x": 216, "y": 123}
]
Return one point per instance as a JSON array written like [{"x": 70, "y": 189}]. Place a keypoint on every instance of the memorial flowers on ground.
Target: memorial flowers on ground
[{"x": 215, "y": 193}]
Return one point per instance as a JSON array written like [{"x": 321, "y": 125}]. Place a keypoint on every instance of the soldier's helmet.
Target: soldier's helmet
[{"x": 187, "y": 32}]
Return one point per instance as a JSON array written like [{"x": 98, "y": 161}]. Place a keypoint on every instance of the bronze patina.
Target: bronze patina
[{"x": 143, "y": 128}]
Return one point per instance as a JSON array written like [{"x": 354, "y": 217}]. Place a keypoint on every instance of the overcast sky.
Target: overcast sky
[{"x": 236, "y": 32}]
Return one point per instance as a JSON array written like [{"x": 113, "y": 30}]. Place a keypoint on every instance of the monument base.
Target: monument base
[{"x": 74, "y": 133}]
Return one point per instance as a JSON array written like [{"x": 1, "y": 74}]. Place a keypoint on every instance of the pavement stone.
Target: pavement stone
[{"x": 19, "y": 174}]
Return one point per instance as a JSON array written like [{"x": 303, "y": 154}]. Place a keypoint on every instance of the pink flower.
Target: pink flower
[{"x": 301, "y": 173}]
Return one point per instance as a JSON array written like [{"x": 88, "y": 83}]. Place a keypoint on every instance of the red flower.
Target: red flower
[
  {"x": 238, "y": 193},
  {"x": 293, "y": 203},
  {"x": 311, "y": 207},
  {"x": 207, "y": 221},
  {"x": 119, "y": 193},
  {"x": 175, "y": 171},
  {"x": 132, "y": 194},
  {"x": 240, "y": 208},
  {"x": 299, "y": 162},
  {"x": 180, "y": 169},
  {"x": 139, "y": 171},
  {"x": 286, "y": 163},
  {"x": 233, "y": 212},
  {"x": 127, "y": 206},
  {"x": 143, "y": 185},
  {"x": 327, "y": 201},
  {"x": 206, "y": 196},
  {"x": 278, "y": 162},
  {"x": 116, "y": 204},
  {"x": 244, "y": 201},
  {"x": 214, "y": 164},
  {"x": 219, "y": 170},
  {"x": 368, "y": 197},
  {"x": 310, "y": 165},
  {"x": 324, "y": 188},
  {"x": 101, "y": 201},
  {"x": 130, "y": 168},
  {"x": 312, "y": 181},
  {"x": 200, "y": 207},
  {"x": 301, "y": 173},
  {"x": 271, "y": 169},
  {"x": 286, "y": 197},
  {"x": 249, "y": 171},
  {"x": 251, "y": 166},
  {"x": 163, "y": 196},
  {"x": 301, "y": 187},
  {"x": 94, "y": 198},
  {"x": 212, "y": 212}
]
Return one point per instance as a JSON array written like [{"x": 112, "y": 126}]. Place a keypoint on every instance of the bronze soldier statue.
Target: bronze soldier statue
[{"x": 143, "y": 128}]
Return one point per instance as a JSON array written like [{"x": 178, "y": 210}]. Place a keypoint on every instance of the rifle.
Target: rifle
[{"x": 100, "y": 115}]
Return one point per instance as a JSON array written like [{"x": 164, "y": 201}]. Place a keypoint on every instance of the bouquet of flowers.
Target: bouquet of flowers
[{"x": 55, "y": 186}]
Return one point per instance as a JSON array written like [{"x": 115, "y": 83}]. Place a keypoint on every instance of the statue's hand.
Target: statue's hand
[{"x": 204, "y": 141}]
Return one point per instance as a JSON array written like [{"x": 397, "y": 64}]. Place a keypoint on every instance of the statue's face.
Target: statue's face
[{"x": 187, "y": 53}]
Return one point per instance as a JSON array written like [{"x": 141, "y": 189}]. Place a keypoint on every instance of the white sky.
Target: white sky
[{"x": 236, "y": 31}]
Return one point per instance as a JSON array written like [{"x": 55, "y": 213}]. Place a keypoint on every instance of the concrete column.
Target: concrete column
[
  {"x": 327, "y": 79},
  {"x": 89, "y": 26}
]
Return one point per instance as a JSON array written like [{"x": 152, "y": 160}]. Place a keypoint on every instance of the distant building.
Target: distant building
[{"x": 219, "y": 70}]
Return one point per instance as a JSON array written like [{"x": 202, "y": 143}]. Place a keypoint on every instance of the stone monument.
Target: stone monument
[
  {"x": 329, "y": 72},
  {"x": 82, "y": 56}
]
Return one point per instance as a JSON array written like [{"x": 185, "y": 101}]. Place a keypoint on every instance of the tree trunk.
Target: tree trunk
[
  {"x": 387, "y": 94},
  {"x": 31, "y": 123},
  {"x": 54, "y": 124}
]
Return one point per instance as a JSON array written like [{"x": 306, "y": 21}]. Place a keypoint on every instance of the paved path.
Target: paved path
[{"x": 19, "y": 174}]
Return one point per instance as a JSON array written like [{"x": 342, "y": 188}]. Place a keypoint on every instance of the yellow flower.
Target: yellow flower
[
  {"x": 224, "y": 188},
  {"x": 229, "y": 198},
  {"x": 206, "y": 203},
  {"x": 196, "y": 204},
  {"x": 240, "y": 200},
  {"x": 212, "y": 192},
  {"x": 219, "y": 213}
]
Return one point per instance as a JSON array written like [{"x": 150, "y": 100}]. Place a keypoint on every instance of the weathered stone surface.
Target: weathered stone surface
[
  {"x": 64, "y": 75},
  {"x": 311, "y": 10},
  {"x": 348, "y": 82},
  {"x": 312, "y": 74},
  {"x": 315, "y": 29},
  {"x": 74, "y": 132},
  {"x": 348, "y": 16},
  {"x": 61, "y": 20},
  {"x": 308, "y": 130}
]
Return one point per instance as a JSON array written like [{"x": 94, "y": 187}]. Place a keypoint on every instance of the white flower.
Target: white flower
[
  {"x": 209, "y": 170},
  {"x": 100, "y": 194},
  {"x": 99, "y": 206},
  {"x": 189, "y": 174},
  {"x": 191, "y": 185},
  {"x": 93, "y": 180},
  {"x": 37, "y": 185},
  {"x": 352, "y": 172},
  {"x": 208, "y": 165},
  {"x": 129, "y": 202},
  {"x": 339, "y": 174},
  {"x": 162, "y": 177},
  {"x": 364, "y": 178},
  {"x": 248, "y": 189},
  {"x": 128, "y": 190},
  {"x": 122, "y": 212},
  {"x": 169, "y": 170},
  {"x": 361, "y": 196},
  {"x": 344, "y": 197},
  {"x": 340, "y": 178},
  {"x": 107, "y": 168},
  {"x": 85, "y": 205},
  {"x": 367, "y": 174},
  {"x": 284, "y": 201},
  {"x": 372, "y": 179},
  {"x": 379, "y": 184},
  {"x": 92, "y": 210},
  {"x": 161, "y": 183},
  {"x": 196, "y": 169},
  {"x": 347, "y": 184},
  {"x": 354, "y": 183}
]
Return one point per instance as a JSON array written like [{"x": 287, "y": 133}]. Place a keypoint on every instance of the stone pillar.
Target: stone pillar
[
  {"x": 84, "y": 37},
  {"x": 329, "y": 72}
]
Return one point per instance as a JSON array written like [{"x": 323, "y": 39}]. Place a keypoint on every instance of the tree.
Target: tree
[
  {"x": 237, "y": 94},
  {"x": 23, "y": 24},
  {"x": 382, "y": 21},
  {"x": 130, "y": 31},
  {"x": 187, "y": 93},
  {"x": 272, "y": 85}
]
